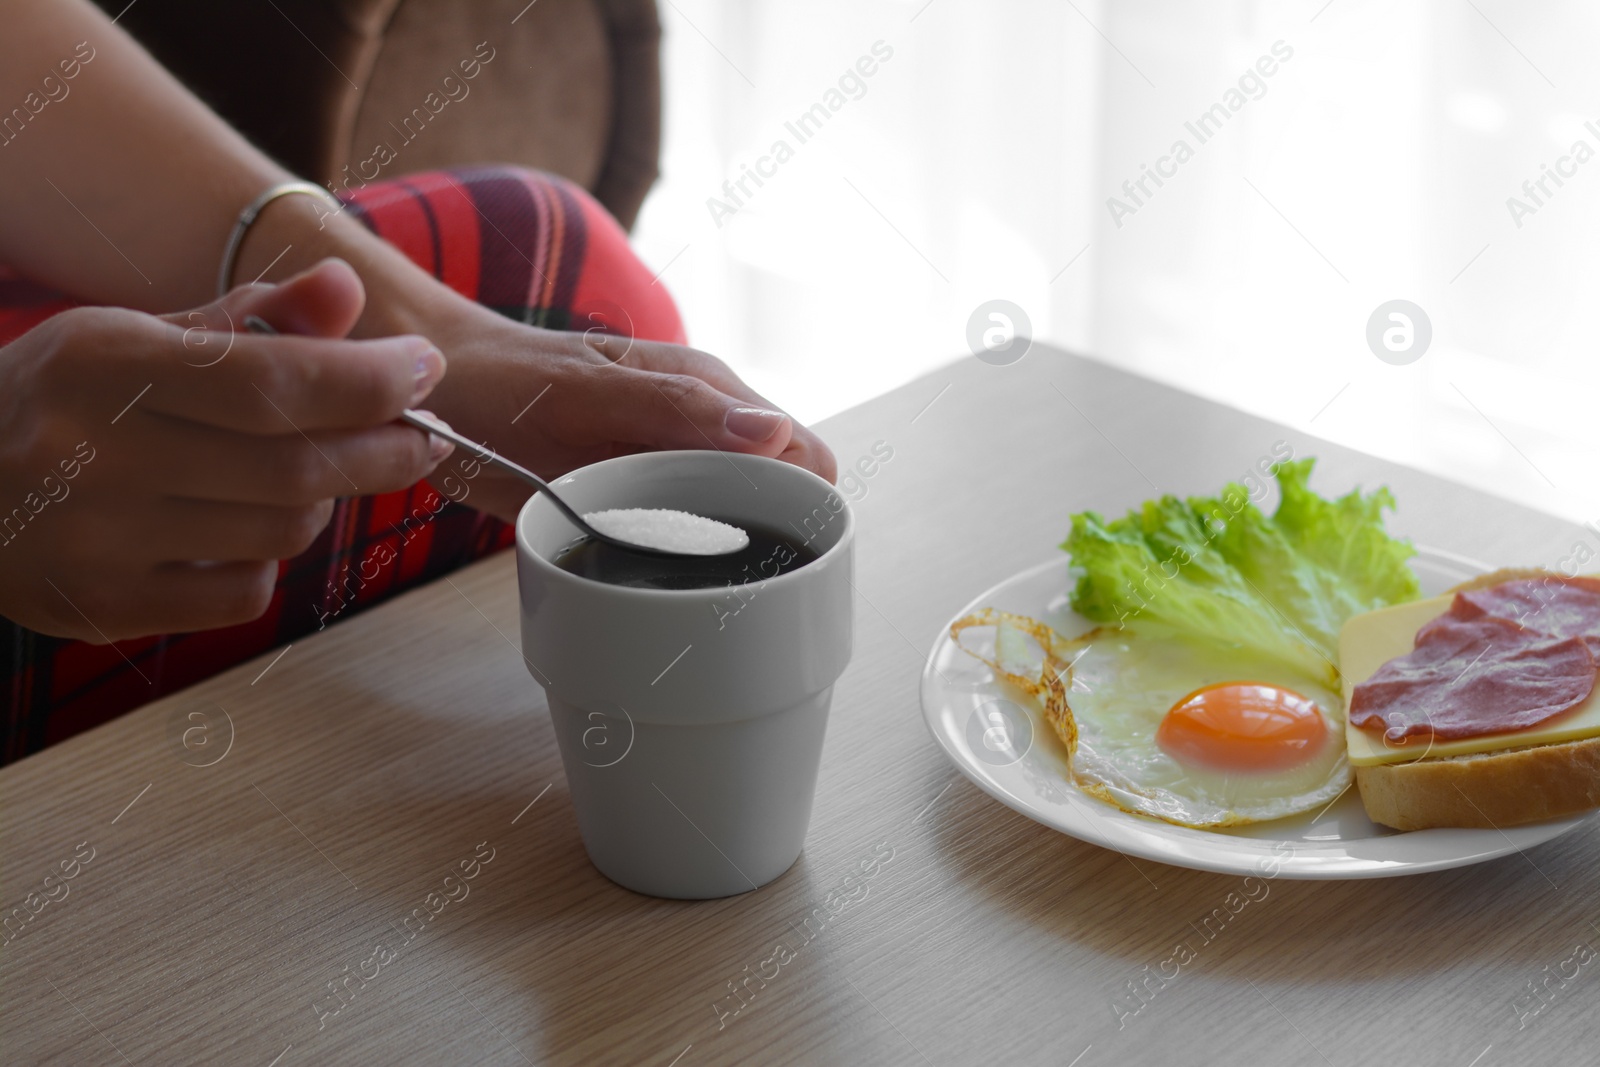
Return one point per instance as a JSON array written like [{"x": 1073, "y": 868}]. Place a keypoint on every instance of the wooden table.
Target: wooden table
[{"x": 224, "y": 904}]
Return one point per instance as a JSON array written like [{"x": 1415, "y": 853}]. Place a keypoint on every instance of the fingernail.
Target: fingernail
[
  {"x": 755, "y": 424},
  {"x": 438, "y": 447},
  {"x": 428, "y": 370}
]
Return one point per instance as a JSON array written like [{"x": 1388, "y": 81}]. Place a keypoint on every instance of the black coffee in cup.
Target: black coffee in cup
[{"x": 769, "y": 554}]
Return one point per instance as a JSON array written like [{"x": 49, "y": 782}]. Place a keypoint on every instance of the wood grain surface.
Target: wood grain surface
[{"x": 357, "y": 780}]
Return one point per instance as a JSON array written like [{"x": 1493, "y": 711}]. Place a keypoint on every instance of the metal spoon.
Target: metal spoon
[{"x": 256, "y": 324}]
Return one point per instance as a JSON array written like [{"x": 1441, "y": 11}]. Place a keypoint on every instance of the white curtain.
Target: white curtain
[{"x": 1358, "y": 152}]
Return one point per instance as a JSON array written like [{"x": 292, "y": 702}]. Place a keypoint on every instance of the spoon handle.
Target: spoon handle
[
  {"x": 484, "y": 453},
  {"x": 256, "y": 324}
]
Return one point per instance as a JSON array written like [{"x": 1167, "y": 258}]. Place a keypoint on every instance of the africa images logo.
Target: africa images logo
[
  {"x": 999, "y": 332},
  {"x": 1399, "y": 332},
  {"x": 201, "y": 737},
  {"x": 604, "y": 739},
  {"x": 999, "y": 732}
]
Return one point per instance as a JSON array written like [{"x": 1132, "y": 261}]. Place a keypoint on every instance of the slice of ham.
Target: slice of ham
[
  {"x": 1467, "y": 677},
  {"x": 1561, "y": 607}
]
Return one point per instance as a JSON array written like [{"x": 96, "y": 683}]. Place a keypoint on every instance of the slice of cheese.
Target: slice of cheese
[{"x": 1369, "y": 641}]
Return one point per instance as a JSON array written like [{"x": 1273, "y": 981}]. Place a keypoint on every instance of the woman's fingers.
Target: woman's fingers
[
  {"x": 184, "y": 459},
  {"x": 807, "y": 450},
  {"x": 217, "y": 452},
  {"x": 146, "y": 531},
  {"x": 180, "y": 597},
  {"x": 174, "y": 598},
  {"x": 804, "y": 449},
  {"x": 274, "y": 385},
  {"x": 322, "y": 301},
  {"x": 244, "y": 382},
  {"x": 619, "y": 405}
]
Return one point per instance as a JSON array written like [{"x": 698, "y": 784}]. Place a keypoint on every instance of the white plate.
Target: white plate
[{"x": 1340, "y": 842}]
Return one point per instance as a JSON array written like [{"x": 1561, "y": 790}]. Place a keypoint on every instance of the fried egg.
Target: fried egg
[
  {"x": 1193, "y": 732},
  {"x": 1199, "y": 734}
]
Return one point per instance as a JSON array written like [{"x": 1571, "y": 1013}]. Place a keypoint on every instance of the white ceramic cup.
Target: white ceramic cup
[{"x": 690, "y": 721}]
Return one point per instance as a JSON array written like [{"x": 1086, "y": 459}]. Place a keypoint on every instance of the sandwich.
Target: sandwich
[{"x": 1478, "y": 708}]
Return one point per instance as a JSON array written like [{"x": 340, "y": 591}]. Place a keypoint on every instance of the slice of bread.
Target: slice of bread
[{"x": 1491, "y": 789}]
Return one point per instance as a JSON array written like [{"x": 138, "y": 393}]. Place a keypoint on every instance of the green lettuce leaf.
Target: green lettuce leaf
[{"x": 1220, "y": 569}]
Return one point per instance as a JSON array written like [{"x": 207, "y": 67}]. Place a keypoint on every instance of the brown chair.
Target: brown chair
[{"x": 573, "y": 86}]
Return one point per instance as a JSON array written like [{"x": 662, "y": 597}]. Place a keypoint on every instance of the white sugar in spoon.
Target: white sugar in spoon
[
  {"x": 660, "y": 531},
  {"x": 681, "y": 533}
]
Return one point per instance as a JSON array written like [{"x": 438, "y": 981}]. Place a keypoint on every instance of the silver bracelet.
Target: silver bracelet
[{"x": 248, "y": 216}]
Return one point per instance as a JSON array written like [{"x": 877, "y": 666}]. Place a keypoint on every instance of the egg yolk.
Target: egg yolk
[{"x": 1243, "y": 726}]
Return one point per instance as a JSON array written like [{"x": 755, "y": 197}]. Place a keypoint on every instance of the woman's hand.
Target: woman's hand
[
  {"x": 592, "y": 395},
  {"x": 555, "y": 400},
  {"x": 155, "y": 468}
]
